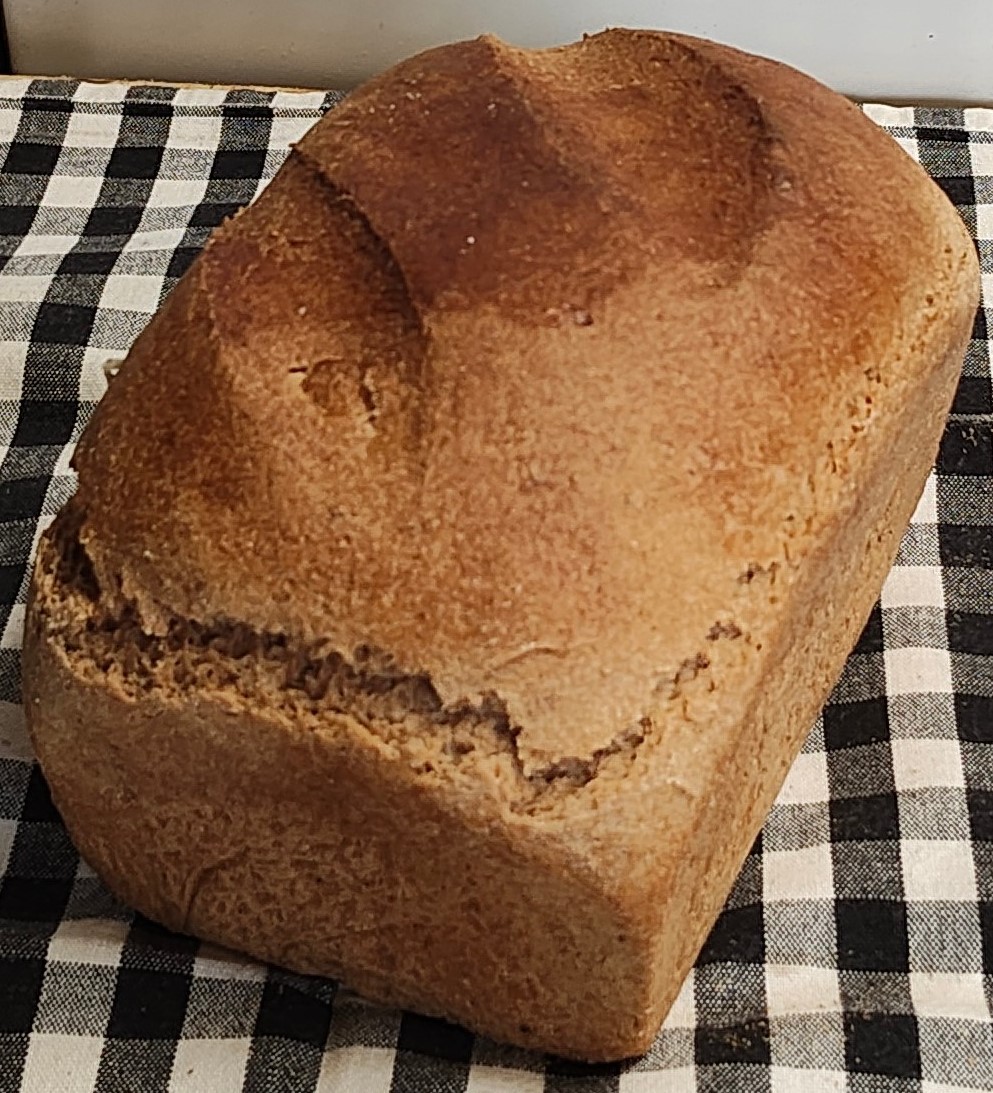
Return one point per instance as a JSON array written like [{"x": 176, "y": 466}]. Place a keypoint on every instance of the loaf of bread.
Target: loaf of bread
[{"x": 465, "y": 548}]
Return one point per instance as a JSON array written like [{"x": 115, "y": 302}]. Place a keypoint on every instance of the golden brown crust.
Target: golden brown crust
[{"x": 592, "y": 386}]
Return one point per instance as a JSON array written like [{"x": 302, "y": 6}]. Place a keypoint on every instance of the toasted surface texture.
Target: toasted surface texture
[{"x": 463, "y": 550}]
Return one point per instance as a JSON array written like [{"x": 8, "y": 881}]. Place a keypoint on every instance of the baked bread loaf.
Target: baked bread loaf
[{"x": 465, "y": 547}]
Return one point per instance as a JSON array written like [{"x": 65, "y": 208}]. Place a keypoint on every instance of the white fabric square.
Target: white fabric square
[
  {"x": 918, "y": 763},
  {"x": 57, "y": 1063},
  {"x": 166, "y": 239},
  {"x": 794, "y": 1079},
  {"x": 13, "y": 90},
  {"x": 177, "y": 193},
  {"x": 92, "y": 130},
  {"x": 677, "y": 1079},
  {"x": 7, "y": 829},
  {"x": 798, "y": 874},
  {"x": 88, "y": 941},
  {"x": 199, "y": 97},
  {"x": 938, "y": 870},
  {"x": 356, "y": 1068},
  {"x": 62, "y": 463},
  {"x": 13, "y": 632},
  {"x": 491, "y": 1079},
  {"x": 289, "y": 129},
  {"x": 213, "y": 962},
  {"x": 73, "y": 192},
  {"x": 93, "y": 381},
  {"x": 100, "y": 92},
  {"x": 302, "y": 105},
  {"x": 682, "y": 1013},
  {"x": 47, "y": 244},
  {"x": 807, "y": 781},
  {"x": 198, "y": 132},
  {"x": 913, "y": 586},
  {"x": 217, "y": 1065},
  {"x": 927, "y": 505},
  {"x": 23, "y": 289},
  {"x": 897, "y": 117},
  {"x": 984, "y": 221},
  {"x": 801, "y": 988},
  {"x": 129, "y": 292},
  {"x": 944, "y": 995},
  {"x": 918, "y": 671},
  {"x": 12, "y": 357}
]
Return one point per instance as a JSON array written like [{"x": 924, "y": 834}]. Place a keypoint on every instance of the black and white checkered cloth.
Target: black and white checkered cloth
[{"x": 856, "y": 950}]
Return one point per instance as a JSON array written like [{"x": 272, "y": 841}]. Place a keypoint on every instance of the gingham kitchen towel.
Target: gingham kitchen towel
[{"x": 856, "y": 950}]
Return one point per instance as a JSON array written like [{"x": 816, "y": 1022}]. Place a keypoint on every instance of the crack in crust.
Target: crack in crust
[{"x": 313, "y": 677}]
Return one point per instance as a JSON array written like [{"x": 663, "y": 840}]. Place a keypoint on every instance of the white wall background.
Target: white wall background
[{"x": 876, "y": 49}]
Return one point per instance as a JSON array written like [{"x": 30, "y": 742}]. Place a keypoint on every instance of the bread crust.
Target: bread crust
[{"x": 606, "y": 379}]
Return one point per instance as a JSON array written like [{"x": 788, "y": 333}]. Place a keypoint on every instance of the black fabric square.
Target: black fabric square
[
  {"x": 34, "y": 103},
  {"x": 134, "y": 162},
  {"x": 744, "y": 1043},
  {"x": 738, "y": 937},
  {"x": 63, "y": 324},
  {"x": 114, "y": 220},
  {"x": 882, "y": 1043},
  {"x": 22, "y": 497},
  {"x": 980, "y": 328},
  {"x": 11, "y": 577},
  {"x": 143, "y": 108},
  {"x": 435, "y": 1038},
  {"x": 17, "y": 219},
  {"x": 970, "y": 633},
  {"x": 30, "y": 158},
  {"x": 293, "y": 1014},
  {"x": 980, "y": 802},
  {"x": 973, "y": 396},
  {"x": 44, "y": 421},
  {"x": 38, "y": 806},
  {"x": 974, "y": 714},
  {"x": 942, "y": 136},
  {"x": 856, "y": 819},
  {"x": 966, "y": 449},
  {"x": 959, "y": 189},
  {"x": 43, "y": 852},
  {"x": 148, "y": 1005},
  {"x": 986, "y": 927},
  {"x": 871, "y": 638},
  {"x": 34, "y": 899},
  {"x": 851, "y": 724},
  {"x": 244, "y": 104},
  {"x": 872, "y": 935},
  {"x": 181, "y": 260},
  {"x": 99, "y": 262},
  {"x": 568, "y": 1076},
  {"x": 236, "y": 163},
  {"x": 210, "y": 214},
  {"x": 968, "y": 545},
  {"x": 20, "y": 989}
]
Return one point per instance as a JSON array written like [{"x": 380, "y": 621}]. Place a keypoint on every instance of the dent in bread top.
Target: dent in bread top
[{"x": 518, "y": 366}]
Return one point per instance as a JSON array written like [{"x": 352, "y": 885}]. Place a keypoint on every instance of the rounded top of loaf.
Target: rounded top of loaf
[{"x": 523, "y": 369}]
